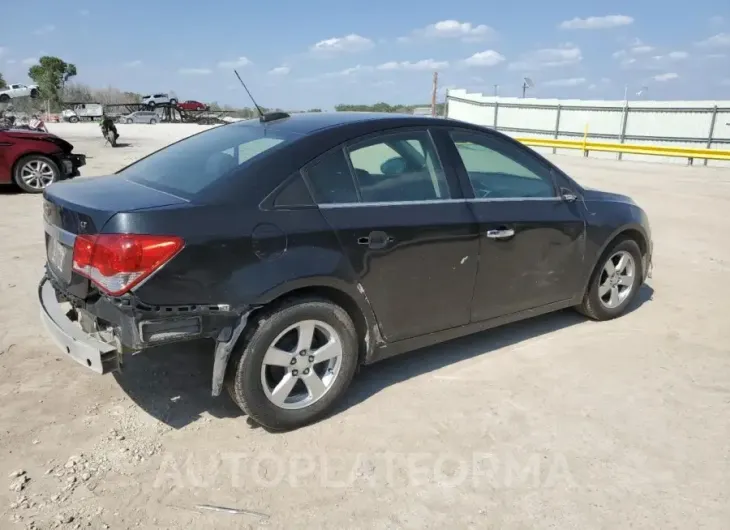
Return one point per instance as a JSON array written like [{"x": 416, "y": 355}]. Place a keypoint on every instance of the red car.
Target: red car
[
  {"x": 34, "y": 160},
  {"x": 192, "y": 105}
]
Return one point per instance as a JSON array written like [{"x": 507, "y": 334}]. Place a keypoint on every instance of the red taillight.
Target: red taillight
[{"x": 118, "y": 262}]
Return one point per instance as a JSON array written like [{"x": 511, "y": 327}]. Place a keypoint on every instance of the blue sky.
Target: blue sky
[{"x": 323, "y": 52}]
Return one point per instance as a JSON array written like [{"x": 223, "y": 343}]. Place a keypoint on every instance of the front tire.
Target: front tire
[
  {"x": 615, "y": 281},
  {"x": 34, "y": 173},
  {"x": 153, "y": 121},
  {"x": 34, "y": 93},
  {"x": 4, "y": 98},
  {"x": 294, "y": 364}
]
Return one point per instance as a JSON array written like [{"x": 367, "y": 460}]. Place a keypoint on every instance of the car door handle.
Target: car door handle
[
  {"x": 376, "y": 240},
  {"x": 503, "y": 233}
]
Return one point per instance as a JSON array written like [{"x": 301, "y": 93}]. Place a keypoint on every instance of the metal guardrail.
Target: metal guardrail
[{"x": 586, "y": 146}]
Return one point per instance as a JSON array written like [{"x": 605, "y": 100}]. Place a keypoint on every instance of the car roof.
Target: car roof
[{"x": 309, "y": 122}]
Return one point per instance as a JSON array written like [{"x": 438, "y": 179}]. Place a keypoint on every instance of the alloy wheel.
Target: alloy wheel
[
  {"x": 301, "y": 364},
  {"x": 617, "y": 279},
  {"x": 37, "y": 174}
]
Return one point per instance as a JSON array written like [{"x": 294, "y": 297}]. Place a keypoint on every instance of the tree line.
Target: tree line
[{"x": 53, "y": 76}]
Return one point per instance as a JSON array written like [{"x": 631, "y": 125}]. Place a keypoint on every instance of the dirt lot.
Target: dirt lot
[{"x": 552, "y": 423}]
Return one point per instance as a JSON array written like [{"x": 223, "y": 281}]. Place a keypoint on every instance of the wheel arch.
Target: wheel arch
[
  {"x": 633, "y": 231},
  {"x": 338, "y": 292},
  {"x": 53, "y": 156},
  {"x": 351, "y": 298}
]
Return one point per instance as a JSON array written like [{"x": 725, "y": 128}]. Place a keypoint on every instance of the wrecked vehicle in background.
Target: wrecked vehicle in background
[{"x": 33, "y": 160}]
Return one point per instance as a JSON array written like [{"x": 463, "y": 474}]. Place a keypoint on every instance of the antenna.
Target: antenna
[
  {"x": 261, "y": 112},
  {"x": 527, "y": 83}
]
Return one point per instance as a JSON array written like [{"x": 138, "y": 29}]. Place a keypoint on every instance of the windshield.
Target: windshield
[{"x": 191, "y": 165}]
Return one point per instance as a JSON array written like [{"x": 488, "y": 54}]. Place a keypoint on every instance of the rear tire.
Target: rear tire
[
  {"x": 173, "y": 102},
  {"x": 4, "y": 98},
  {"x": 130, "y": 121},
  {"x": 153, "y": 121},
  {"x": 34, "y": 173},
  {"x": 34, "y": 93},
  {"x": 317, "y": 381},
  {"x": 608, "y": 296}
]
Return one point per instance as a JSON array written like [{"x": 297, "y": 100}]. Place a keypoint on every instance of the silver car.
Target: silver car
[{"x": 141, "y": 116}]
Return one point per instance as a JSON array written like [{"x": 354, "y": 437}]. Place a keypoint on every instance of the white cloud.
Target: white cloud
[
  {"x": 485, "y": 58},
  {"x": 347, "y": 44},
  {"x": 609, "y": 21},
  {"x": 43, "y": 30},
  {"x": 665, "y": 77},
  {"x": 384, "y": 82},
  {"x": 548, "y": 58},
  {"x": 11, "y": 61},
  {"x": 347, "y": 72},
  {"x": 592, "y": 86},
  {"x": 677, "y": 56},
  {"x": 425, "y": 64},
  {"x": 725, "y": 82},
  {"x": 642, "y": 49},
  {"x": 84, "y": 12},
  {"x": 453, "y": 29},
  {"x": 3, "y": 51},
  {"x": 637, "y": 47},
  {"x": 280, "y": 70},
  {"x": 132, "y": 64},
  {"x": 716, "y": 56},
  {"x": 235, "y": 63},
  {"x": 30, "y": 61},
  {"x": 194, "y": 71},
  {"x": 717, "y": 20},
  {"x": 573, "y": 81},
  {"x": 716, "y": 41}
]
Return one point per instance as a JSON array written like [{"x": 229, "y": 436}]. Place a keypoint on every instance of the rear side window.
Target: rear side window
[
  {"x": 294, "y": 193},
  {"x": 331, "y": 179},
  {"x": 190, "y": 166},
  {"x": 399, "y": 167}
]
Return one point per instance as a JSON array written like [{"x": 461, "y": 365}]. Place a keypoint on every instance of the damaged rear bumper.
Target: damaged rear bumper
[
  {"x": 101, "y": 357},
  {"x": 133, "y": 326}
]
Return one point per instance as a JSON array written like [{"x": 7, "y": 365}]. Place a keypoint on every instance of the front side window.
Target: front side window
[
  {"x": 499, "y": 170},
  {"x": 186, "y": 168},
  {"x": 398, "y": 167}
]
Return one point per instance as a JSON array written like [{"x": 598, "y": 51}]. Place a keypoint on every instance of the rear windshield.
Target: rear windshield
[{"x": 190, "y": 166}]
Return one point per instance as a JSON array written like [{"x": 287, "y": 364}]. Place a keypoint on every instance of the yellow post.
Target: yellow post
[{"x": 585, "y": 139}]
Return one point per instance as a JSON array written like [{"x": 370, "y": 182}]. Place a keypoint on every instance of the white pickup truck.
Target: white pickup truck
[{"x": 18, "y": 91}]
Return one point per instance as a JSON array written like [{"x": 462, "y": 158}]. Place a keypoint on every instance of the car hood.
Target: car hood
[
  {"x": 23, "y": 134},
  {"x": 606, "y": 196}
]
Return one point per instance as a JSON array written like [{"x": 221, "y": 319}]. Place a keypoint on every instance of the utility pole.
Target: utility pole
[
  {"x": 496, "y": 90},
  {"x": 433, "y": 93}
]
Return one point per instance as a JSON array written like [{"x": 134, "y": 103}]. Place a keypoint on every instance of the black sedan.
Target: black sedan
[{"x": 305, "y": 246}]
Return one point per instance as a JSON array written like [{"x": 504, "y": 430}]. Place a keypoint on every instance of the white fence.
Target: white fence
[{"x": 695, "y": 124}]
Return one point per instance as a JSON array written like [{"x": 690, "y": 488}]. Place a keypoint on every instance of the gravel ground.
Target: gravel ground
[{"x": 554, "y": 422}]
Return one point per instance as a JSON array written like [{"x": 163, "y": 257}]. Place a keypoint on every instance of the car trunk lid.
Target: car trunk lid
[{"x": 84, "y": 206}]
